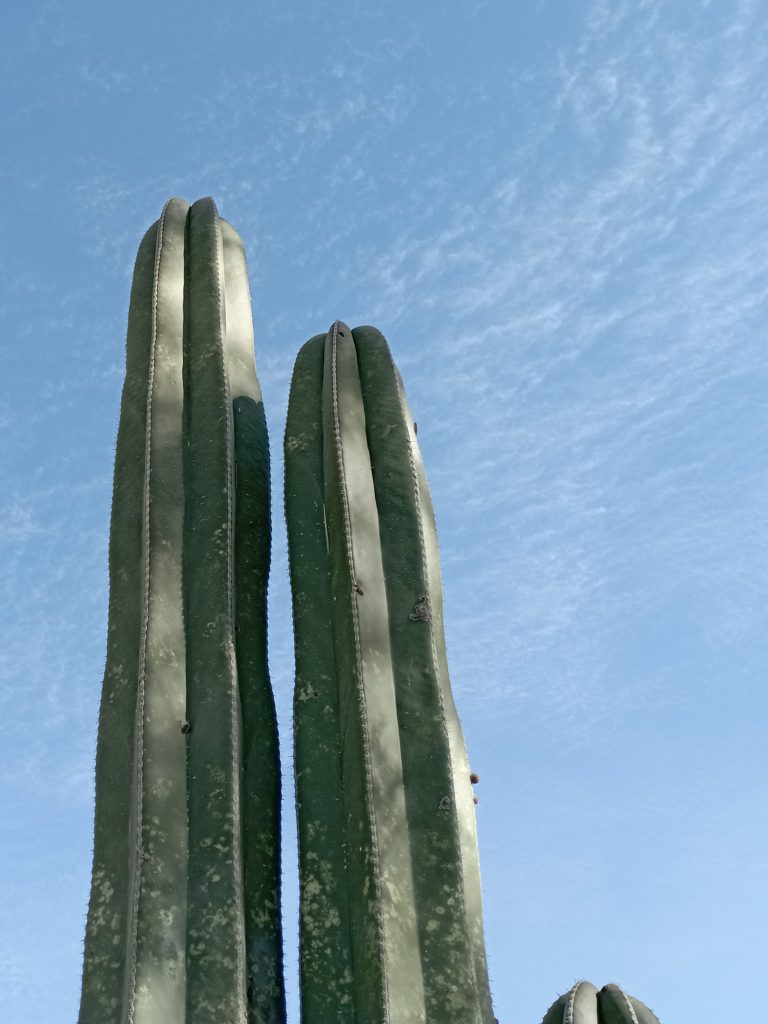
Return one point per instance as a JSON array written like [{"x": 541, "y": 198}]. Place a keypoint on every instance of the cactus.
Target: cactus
[
  {"x": 184, "y": 915},
  {"x": 183, "y": 922},
  {"x": 583, "y": 1004},
  {"x": 391, "y": 919}
]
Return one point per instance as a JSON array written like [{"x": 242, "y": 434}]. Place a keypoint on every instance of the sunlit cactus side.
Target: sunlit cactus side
[
  {"x": 391, "y": 918},
  {"x": 183, "y": 922},
  {"x": 584, "y": 1004}
]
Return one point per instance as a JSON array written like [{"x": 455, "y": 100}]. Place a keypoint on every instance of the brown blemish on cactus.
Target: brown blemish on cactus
[{"x": 421, "y": 612}]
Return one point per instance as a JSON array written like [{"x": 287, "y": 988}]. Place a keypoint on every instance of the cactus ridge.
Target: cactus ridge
[
  {"x": 326, "y": 962},
  {"x": 434, "y": 754},
  {"x": 403, "y": 866},
  {"x": 183, "y": 921}
]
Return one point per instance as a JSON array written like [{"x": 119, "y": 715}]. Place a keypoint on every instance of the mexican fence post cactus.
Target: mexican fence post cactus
[
  {"x": 391, "y": 919},
  {"x": 184, "y": 918},
  {"x": 584, "y": 1004},
  {"x": 183, "y": 922}
]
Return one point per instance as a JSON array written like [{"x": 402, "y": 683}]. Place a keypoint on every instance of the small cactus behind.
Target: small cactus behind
[{"x": 584, "y": 1004}]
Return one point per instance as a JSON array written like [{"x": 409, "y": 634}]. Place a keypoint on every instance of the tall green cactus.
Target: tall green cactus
[
  {"x": 183, "y": 921},
  {"x": 184, "y": 916},
  {"x": 391, "y": 918},
  {"x": 583, "y": 1004}
]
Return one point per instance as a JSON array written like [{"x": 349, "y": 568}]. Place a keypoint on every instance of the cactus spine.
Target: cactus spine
[
  {"x": 584, "y": 1004},
  {"x": 391, "y": 918},
  {"x": 183, "y": 921}
]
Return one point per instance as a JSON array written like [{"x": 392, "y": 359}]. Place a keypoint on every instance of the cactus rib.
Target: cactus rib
[{"x": 325, "y": 954}]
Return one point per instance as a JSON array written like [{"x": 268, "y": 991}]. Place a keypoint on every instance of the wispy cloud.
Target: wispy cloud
[
  {"x": 568, "y": 252},
  {"x": 590, "y": 332}
]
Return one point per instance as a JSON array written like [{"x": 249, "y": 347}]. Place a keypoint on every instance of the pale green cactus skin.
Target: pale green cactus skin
[
  {"x": 183, "y": 921},
  {"x": 584, "y": 1004},
  {"x": 391, "y": 916}
]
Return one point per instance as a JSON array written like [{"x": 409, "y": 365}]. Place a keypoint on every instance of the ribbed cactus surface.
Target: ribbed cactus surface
[
  {"x": 184, "y": 914},
  {"x": 391, "y": 918},
  {"x": 584, "y": 1004},
  {"x": 183, "y": 921}
]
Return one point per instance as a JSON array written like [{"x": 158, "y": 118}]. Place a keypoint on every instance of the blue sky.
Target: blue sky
[{"x": 558, "y": 215}]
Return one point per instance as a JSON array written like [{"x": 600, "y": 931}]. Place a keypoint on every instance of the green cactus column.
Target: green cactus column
[
  {"x": 183, "y": 921},
  {"x": 391, "y": 917},
  {"x": 584, "y": 1004}
]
